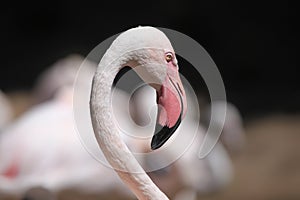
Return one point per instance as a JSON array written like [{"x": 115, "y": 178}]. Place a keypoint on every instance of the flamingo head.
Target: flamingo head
[
  {"x": 149, "y": 52},
  {"x": 171, "y": 101}
]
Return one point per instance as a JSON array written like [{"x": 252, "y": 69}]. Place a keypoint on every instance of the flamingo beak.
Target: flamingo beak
[{"x": 171, "y": 102}]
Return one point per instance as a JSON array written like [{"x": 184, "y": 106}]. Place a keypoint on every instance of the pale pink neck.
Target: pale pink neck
[{"x": 108, "y": 137}]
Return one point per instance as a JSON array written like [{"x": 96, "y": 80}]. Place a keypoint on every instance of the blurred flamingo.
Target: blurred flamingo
[{"x": 42, "y": 148}]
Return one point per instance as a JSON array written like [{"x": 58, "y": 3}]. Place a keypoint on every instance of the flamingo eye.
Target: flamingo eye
[{"x": 169, "y": 57}]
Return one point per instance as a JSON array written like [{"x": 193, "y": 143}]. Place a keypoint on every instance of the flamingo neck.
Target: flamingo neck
[{"x": 107, "y": 133}]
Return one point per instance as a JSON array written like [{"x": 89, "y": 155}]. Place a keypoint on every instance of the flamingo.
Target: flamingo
[{"x": 149, "y": 52}]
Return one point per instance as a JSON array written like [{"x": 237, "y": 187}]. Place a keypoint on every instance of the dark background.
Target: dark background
[{"x": 253, "y": 44}]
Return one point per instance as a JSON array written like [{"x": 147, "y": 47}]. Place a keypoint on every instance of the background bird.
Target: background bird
[{"x": 42, "y": 148}]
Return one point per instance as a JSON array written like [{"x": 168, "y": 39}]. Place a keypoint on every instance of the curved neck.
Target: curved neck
[{"x": 107, "y": 133}]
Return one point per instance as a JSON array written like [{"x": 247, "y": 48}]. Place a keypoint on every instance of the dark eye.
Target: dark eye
[{"x": 169, "y": 57}]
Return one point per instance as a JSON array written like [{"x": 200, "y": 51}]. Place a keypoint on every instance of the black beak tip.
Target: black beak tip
[
  {"x": 157, "y": 141},
  {"x": 155, "y": 145},
  {"x": 162, "y": 134}
]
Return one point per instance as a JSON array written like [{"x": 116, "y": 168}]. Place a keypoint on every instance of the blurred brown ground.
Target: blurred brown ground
[{"x": 267, "y": 169}]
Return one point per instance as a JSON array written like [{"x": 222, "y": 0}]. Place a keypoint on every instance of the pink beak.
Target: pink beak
[{"x": 172, "y": 106}]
